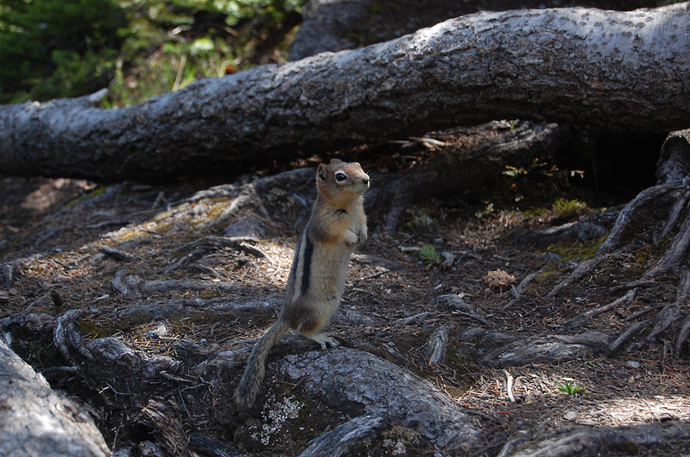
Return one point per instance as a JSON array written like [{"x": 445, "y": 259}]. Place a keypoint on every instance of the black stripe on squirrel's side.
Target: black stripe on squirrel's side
[
  {"x": 306, "y": 264},
  {"x": 319, "y": 268}
]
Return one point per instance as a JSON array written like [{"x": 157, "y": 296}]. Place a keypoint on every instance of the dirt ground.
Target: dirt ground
[{"x": 52, "y": 232}]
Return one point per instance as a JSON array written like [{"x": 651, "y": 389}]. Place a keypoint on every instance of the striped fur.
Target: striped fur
[{"x": 319, "y": 267}]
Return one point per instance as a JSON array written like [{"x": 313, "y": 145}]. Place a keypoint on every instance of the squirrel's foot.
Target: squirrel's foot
[{"x": 323, "y": 340}]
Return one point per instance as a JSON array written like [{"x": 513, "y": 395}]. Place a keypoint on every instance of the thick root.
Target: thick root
[{"x": 672, "y": 191}]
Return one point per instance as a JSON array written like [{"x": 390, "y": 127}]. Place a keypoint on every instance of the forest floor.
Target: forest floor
[{"x": 52, "y": 235}]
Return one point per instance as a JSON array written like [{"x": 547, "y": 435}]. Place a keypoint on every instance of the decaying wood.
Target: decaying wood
[
  {"x": 37, "y": 421},
  {"x": 667, "y": 317},
  {"x": 571, "y": 65},
  {"x": 590, "y": 227},
  {"x": 582, "y": 269},
  {"x": 457, "y": 304},
  {"x": 633, "y": 330},
  {"x": 117, "y": 254},
  {"x": 236, "y": 242}
]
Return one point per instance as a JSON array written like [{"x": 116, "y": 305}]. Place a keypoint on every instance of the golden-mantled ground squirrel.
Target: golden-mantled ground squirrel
[{"x": 319, "y": 268}]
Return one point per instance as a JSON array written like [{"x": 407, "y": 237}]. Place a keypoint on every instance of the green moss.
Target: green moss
[
  {"x": 98, "y": 191},
  {"x": 578, "y": 250},
  {"x": 562, "y": 210},
  {"x": 94, "y": 328},
  {"x": 163, "y": 215},
  {"x": 216, "y": 209},
  {"x": 207, "y": 294},
  {"x": 163, "y": 227},
  {"x": 651, "y": 252},
  {"x": 547, "y": 276},
  {"x": 568, "y": 209},
  {"x": 130, "y": 234}
]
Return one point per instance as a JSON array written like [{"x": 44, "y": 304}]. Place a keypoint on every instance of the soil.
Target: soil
[{"x": 52, "y": 234}]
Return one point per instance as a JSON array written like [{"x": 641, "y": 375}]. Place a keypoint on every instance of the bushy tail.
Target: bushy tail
[{"x": 256, "y": 365}]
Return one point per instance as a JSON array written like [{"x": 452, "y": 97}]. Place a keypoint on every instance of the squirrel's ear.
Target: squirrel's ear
[
  {"x": 322, "y": 173},
  {"x": 336, "y": 160}
]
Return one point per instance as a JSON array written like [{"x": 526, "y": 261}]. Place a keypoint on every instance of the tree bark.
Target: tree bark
[
  {"x": 591, "y": 441},
  {"x": 344, "y": 376},
  {"x": 35, "y": 420},
  {"x": 620, "y": 70},
  {"x": 336, "y": 25}
]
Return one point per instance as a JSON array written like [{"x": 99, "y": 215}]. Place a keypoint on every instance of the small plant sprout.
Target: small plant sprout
[
  {"x": 570, "y": 388},
  {"x": 429, "y": 256}
]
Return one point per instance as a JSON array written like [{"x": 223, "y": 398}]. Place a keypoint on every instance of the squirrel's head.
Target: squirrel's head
[{"x": 341, "y": 182}]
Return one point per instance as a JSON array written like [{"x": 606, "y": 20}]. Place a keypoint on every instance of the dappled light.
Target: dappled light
[{"x": 519, "y": 285}]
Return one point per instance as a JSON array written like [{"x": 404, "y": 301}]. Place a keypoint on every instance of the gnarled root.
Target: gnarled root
[{"x": 672, "y": 191}]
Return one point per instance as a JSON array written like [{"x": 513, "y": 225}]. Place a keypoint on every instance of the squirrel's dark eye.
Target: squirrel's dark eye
[{"x": 340, "y": 177}]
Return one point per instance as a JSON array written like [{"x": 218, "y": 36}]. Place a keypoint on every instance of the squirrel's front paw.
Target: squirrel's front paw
[{"x": 351, "y": 238}]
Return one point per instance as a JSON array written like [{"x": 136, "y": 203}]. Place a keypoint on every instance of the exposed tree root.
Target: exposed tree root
[
  {"x": 343, "y": 438},
  {"x": 344, "y": 376},
  {"x": 591, "y": 441},
  {"x": 633, "y": 330},
  {"x": 35, "y": 420},
  {"x": 389, "y": 394},
  {"x": 682, "y": 336},
  {"x": 672, "y": 191},
  {"x": 584, "y": 268},
  {"x": 547, "y": 349},
  {"x": 589, "y": 315}
]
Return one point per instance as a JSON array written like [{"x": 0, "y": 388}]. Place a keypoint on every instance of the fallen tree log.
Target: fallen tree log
[
  {"x": 619, "y": 70},
  {"x": 335, "y": 25}
]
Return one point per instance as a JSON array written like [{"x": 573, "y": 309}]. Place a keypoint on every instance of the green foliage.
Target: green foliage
[
  {"x": 539, "y": 168},
  {"x": 488, "y": 209},
  {"x": 428, "y": 255},
  {"x": 561, "y": 211},
  {"x": 48, "y": 47},
  {"x": 236, "y": 10},
  {"x": 136, "y": 48},
  {"x": 570, "y": 388},
  {"x": 539, "y": 182},
  {"x": 541, "y": 191},
  {"x": 565, "y": 209}
]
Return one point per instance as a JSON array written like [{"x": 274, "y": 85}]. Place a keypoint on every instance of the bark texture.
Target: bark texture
[
  {"x": 335, "y": 25},
  {"x": 620, "y": 70},
  {"x": 591, "y": 441},
  {"x": 35, "y": 420},
  {"x": 343, "y": 376}
]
